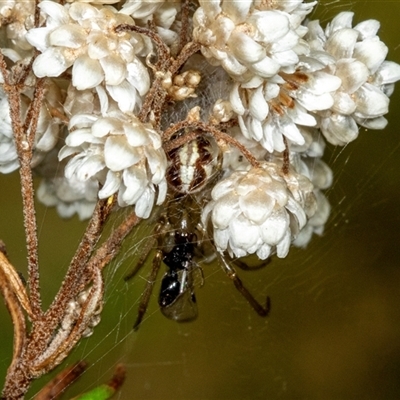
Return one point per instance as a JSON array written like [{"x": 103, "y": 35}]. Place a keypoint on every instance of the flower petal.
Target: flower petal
[
  {"x": 86, "y": 73},
  {"x": 118, "y": 155},
  {"x": 51, "y": 62}
]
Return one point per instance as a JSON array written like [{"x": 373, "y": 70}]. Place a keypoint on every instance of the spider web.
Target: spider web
[{"x": 334, "y": 324}]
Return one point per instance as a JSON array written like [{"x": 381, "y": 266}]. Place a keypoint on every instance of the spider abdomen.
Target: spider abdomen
[{"x": 192, "y": 165}]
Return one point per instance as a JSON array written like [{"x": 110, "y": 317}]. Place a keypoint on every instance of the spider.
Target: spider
[
  {"x": 179, "y": 237},
  {"x": 193, "y": 149}
]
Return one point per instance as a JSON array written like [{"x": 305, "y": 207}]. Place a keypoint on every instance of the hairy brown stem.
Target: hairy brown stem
[
  {"x": 190, "y": 49},
  {"x": 3, "y": 68},
  {"x": 110, "y": 248},
  {"x": 37, "y": 14},
  {"x": 32, "y": 115},
  {"x": 153, "y": 103},
  {"x": 15, "y": 283},
  {"x": 286, "y": 157},
  {"x": 25, "y": 151},
  {"x": 54, "y": 355},
  {"x": 16, "y": 314},
  {"x": 71, "y": 284},
  {"x": 156, "y": 96},
  {"x": 48, "y": 344},
  {"x": 23, "y": 75},
  {"x": 16, "y": 381},
  {"x": 24, "y": 136}
]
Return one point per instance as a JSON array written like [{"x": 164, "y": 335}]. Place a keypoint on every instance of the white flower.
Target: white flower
[
  {"x": 307, "y": 161},
  {"x": 250, "y": 37},
  {"x": 316, "y": 223},
  {"x": 90, "y": 101},
  {"x": 141, "y": 9},
  {"x": 161, "y": 13},
  {"x": 69, "y": 196},
  {"x": 82, "y": 36},
  {"x": 367, "y": 80},
  {"x": 18, "y": 16},
  {"x": 314, "y": 145},
  {"x": 122, "y": 154},
  {"x": 269, "y": 110},
  {"x": 260, "y": 211}
]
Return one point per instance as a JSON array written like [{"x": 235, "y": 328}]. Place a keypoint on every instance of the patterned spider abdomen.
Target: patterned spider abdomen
[{"x": 192, "y": 165}]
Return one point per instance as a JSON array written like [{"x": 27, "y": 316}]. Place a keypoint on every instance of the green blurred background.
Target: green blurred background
[{"x": 334, "y": 328}]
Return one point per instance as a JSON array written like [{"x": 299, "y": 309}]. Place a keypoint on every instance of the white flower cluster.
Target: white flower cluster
[
  {"x": 83, "y": 37},
  {"x": 275, "y": 85},
  {"x": 358, "y": 59},
  {"x": 114, "y": 148},
  {"x": 260, "y": 211}
]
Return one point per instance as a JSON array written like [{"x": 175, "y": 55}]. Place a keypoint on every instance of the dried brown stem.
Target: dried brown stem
[
  {"x": 71, "y": 284},
  {"x": 37, "y": 13},
  {"x": 3, "y": 67},
  {"x": 153, "y": 103},
  {"x": 157, "y": 95},
  {"x": 31, "y": 236},
  {"x": 24, "y": 135},
  {"x": 20, "y": 80},
  {"x": 190, "y": 49},
  {"x": 16, "y": 314},
  {"x": 181, "y": 140},
  {"x": 32, "y": 116},
  {"x": 25, "y": 151},
  {"x": 286, "y": 157},
  {"x": 15, "y": 284},
  {"x": 110, "y": 248},
  {"x": 50, "y": 359}
]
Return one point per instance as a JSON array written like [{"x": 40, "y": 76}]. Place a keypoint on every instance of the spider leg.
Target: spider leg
[
  {"x": 144, "y": 301},
  {"x": 150, "y": 244},
  {"x": 245, "y": 267},
  {"x": 230, "y": 271}
]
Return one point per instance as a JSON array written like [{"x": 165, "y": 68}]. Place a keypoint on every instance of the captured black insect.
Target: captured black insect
[{"x": 177, "y": 299}]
